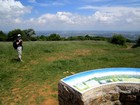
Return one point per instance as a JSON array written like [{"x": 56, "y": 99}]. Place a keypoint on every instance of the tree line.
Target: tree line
[
  {"x": 27, "y": 34},
  {"x": 30, "y": 35}
]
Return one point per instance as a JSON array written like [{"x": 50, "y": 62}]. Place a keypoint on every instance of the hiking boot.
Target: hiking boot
[{"x": 20, "y": 60}]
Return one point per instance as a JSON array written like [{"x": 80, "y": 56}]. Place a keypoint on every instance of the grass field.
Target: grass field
[{"x": 34, "y": 81}]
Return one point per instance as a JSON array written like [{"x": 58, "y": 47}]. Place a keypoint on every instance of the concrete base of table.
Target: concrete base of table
[
  {"x": 108, "y": 94},
  {"x": 107, "y": 86}
]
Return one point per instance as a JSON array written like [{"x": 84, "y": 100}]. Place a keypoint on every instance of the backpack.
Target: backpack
[{"x": 15, "y": 44}]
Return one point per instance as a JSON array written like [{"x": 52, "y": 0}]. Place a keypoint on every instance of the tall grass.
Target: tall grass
[{"x": 35, "y": 80}]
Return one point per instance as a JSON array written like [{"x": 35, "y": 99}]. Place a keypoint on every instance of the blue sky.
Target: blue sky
[{"x": 121, "y": 15}]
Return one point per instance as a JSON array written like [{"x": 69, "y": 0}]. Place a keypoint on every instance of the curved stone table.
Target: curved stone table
[{"x": 109, "y": 86}]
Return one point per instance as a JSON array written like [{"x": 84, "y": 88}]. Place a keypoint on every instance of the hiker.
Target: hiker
[{"x": 19, "y": 47}]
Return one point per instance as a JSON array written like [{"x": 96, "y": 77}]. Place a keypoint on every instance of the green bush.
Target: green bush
[
  {"x": 3, "y": 36},
  {"x": 118, "y": 39},
  {"x": 54, "y": 37},
  {"x": 137, "y": 43},
  {"x": 12, "y": 35}
]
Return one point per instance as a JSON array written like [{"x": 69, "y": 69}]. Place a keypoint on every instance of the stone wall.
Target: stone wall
[{"x": 109, "y": 94}]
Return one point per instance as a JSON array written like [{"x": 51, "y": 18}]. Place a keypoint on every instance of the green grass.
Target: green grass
[{"x": 35, "y": 80}]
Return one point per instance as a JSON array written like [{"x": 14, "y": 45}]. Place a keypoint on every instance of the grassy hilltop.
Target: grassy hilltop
[{"x": 35, "y": 80}]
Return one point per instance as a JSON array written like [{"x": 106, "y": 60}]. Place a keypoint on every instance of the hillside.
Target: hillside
[{"x": 35, "y": 80}]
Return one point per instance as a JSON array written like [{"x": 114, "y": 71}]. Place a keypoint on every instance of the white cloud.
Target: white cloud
[
  {"x": 53, "y": 3},
  {"x": 11, "y": 12},
  {"x": 103, "y": 18},
  {"x": 58, "y": 4},
  {"x": 100, "y": 20},
  {"x": 12, "y": 8},
  {"x": 105, "y": 15},
  {"x": 59, "y": 17},
  {"x": 115, "y": 14},
  {"x": 32, "y": 1}
]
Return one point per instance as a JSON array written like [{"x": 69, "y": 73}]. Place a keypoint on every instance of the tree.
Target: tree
[
  {"x": 54, "y": 37},
  {"x": 29, "y": 33},
  {"x": 3, "y": 36},
  {"x": 87, "y": 37},
  {"x": 137, "y": 43},
  {"x": 13, "y": 34},
  {"x": 118, "y": 39},
  {"x": 42, "y": 37}
]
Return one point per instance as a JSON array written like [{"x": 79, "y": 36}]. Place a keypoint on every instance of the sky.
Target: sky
[{"x": 43, "y": 15}]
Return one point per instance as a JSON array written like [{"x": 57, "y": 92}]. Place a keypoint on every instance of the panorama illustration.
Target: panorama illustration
[{"x": 94, "y": 78}]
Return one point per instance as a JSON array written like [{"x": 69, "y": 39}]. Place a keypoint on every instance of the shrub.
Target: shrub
[
  {"x": 137, "y": 43},
  {"x": 54, "y": 37},
  {"x": 3, "y": 36},
  {"x": 12, "y": 35},
  {"x": 118, "y": 39}
]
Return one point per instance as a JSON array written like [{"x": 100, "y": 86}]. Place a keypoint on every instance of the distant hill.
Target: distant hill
[{"x": 133, "y": 35}]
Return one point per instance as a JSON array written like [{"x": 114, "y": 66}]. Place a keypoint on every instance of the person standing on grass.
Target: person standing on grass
[{"x": 19, "y": 47}]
